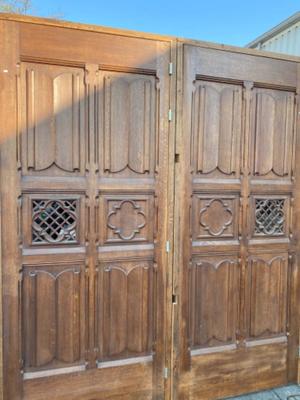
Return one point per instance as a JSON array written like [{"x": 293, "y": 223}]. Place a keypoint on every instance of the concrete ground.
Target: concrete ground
[{"x": 290, "y": 392}]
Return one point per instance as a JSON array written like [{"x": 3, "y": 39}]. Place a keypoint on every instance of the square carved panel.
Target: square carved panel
[
  {"x": 52, "y": 219},
  {"x": 214, "y": 217},
  {"x": 270, "y": 216},
  {"x": 126, "y": 219}
]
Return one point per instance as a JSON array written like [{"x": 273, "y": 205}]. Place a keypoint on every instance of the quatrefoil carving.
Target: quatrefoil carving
[
  {"x": 126, "y": 219},
  {"x": 215, "y": 217}
]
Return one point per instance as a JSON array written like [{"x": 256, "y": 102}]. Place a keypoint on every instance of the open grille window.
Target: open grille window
[
  {"x": 269, "y": 216},
  {"x": 54, "y": 221}
]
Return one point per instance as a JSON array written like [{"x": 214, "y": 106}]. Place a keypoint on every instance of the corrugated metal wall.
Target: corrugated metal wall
[{"x": 287, "y": 41}]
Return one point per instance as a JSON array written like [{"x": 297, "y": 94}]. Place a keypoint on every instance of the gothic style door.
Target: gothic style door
[
  {"x": 84, "y": 178},
  {"x": 237, "y": 252}
]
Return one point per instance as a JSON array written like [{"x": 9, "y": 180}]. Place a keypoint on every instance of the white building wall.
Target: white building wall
[{"x": 287, "y": 41}]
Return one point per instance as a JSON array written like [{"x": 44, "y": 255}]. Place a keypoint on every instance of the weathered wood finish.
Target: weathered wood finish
[
  {"x": 86, "y": 150},
  {"x": 236, "y": 260},
  {"x": 94, "y": 183}
]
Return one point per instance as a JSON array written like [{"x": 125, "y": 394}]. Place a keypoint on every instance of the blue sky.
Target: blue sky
[{"x": 229, "y": 22}]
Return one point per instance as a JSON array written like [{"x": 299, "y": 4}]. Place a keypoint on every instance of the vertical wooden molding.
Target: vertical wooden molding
[
  {"x": 200, "y": 99},
  {"x": 147, "y": 126},
  {"x": 107, "y": 123},
  {"x": 244, "y": 204},
  {"x": 30, "y": 78},
  {"x": 91, "y": 80},
  {"x": 76, "y": 122},
  {"x": 157, "y": 123}
]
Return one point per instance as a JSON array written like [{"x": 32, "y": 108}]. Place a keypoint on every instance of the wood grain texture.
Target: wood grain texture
[
  {"x": 10, "y": 191},
  {"x": 234, "y": 232},
  {"x": 90, "y": 166},
  {"x": 99, "y": 384},
  {"x": 237, "y": 373},
  {"x": 96, "y": 305}
]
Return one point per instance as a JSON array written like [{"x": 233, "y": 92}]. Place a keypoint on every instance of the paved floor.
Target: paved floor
[{"x": 290, "y": 392}]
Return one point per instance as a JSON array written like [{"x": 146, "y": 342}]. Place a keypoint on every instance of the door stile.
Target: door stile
[
  {"x": 10, "y": 192},
  {"x": 171, "y": 296},
  {"x": 91, "y": 75},
  {"x": 244, "y": 212},
  {"x": 176, "y": 336},
  {"x": 293, "y": 320},
  {"x": 182, "y": 234}
]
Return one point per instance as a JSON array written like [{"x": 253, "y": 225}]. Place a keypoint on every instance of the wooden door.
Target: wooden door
[
  {"x": 237, "y": 205},
  {"x": 84, "y": 170}
]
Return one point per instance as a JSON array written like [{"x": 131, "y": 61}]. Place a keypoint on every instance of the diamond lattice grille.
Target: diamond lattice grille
[
  {"x": 269, "y": 216},
  {"x": 54, "y": 221}
]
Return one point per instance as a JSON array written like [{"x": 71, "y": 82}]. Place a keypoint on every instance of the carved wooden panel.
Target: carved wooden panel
[
  {"x": 267, "y": 295},
  {"x": 213, "y": 298},
  {"x": 53, "y": 317},
  {"x": 128, "y": 115},
  {"x": 270, "y": 215},
  {"x": 216, "y": 127},
  {"x": 215, "y": 216},
  {"x": 52, "y": 119},
  {"x": 53, "y": 219},
  {"x": 128, "y": 218},
  {"x": 125, "y": 309},
  {"x": 272, "y": 132}
]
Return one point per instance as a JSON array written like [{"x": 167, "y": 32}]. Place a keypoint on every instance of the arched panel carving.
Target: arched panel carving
[
  {"x": 272, "y": 137},
  {"x": 216, "y": 125},
  {"x": 53, "y": 316},
  {"x": 267, "y": 285},
  {"x": 125, "y": 309},
  {"x": 129, "y": 122},
  {"x": 52, "y": 116},
  {"x": 214, "y": 288}
]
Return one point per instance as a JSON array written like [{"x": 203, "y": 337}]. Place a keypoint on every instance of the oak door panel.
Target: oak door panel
[
  {"x": 272, "y": 129},
  {"x": 51, "y": 219},
  {"x": 216, "y": 125},
  {"x": 127, "y": 109},
  {"x": 214, "y": 297},
  {"x": 52, "y": 112},
  {"x": 267, "y": 285},
  {"x": 236, "y": 224},
  {"x": 125, "y": 310},
  {"x": 130, "y": 218},
  {"x": 215, "y": 217},
  {"x": 89, "y": 166},
  {"x": 54, "y": 316}
]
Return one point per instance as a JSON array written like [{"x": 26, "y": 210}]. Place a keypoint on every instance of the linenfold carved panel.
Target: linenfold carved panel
[
  {"x": 214, "y": 216},
  {"x": 127, "y": 104},
  {"x": 272, "y": 132},
  {"x": 129, "y": 218},
  {"x": 267, "y": 292},
  {"x": 213, "y": 301},
  {"x": 53, "y": 316},
  {"x": 52, "y": 119},
  {"x": 216, "y": 128},
  {"x": 125, "y": 309}
]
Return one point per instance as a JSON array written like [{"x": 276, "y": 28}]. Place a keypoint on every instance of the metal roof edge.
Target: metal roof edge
[{"x": 275, "y": 30}]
